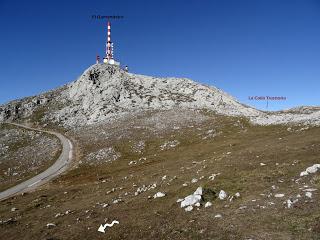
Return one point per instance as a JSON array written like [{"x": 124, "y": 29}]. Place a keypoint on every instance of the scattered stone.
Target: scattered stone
[
  {"x": 208, "y": 204},
  {"x": 51, "y": 225},
  {"x": 145, "y": 188},
  {"x": 159, "y": 195},
  {"x": 190, "y": 200},
  {"x": 138, "y": 147},
  {"x": 132, "y": 162},
  {"x": 212, "y": 177},
  {"x": 58, "y": 215},
  {"x": 308, "y": 194},
  {"x": 169, "y": 144},
  {"x": 194, "y": 180},
  {"x": 290, "y": 202},
  {"x": 279, "y": 195},
  {"x": 222, "y": 195},
  {"x": 14, "y": 209},
  {"x": 103, "y": 155},
  {"x": 310, "y": 190},
  {"x": 117, "y": 200},
  {"x": 313, "y": 169},
  {"x": 218, "y": 216}
]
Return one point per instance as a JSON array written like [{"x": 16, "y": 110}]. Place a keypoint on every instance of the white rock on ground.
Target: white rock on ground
[
  {"x": 159, "y": 195},
  {"x": 222, "y": 195},
  {"x": 310, "y": 190},
  {"x": 193, "y": 199},
  {"x": 50, "y": 225},
  {"x": 308, "y": 194},
  {"x": 190, "y": 200},
  {"x": 279, "y": 195},
  {"x": 117, "y": 201},
  {"x": 289, "y": 203},
  {"x": 208, "y": 204},
  {"x": 313, "y": 169},
  {"x": 58, "y": 215}
]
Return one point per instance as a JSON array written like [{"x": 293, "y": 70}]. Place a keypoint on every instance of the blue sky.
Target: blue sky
[{"x": 247, "y": 48}]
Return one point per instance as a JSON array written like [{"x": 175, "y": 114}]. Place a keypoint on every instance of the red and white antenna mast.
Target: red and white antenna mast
[{"x": 109, "y": 48}]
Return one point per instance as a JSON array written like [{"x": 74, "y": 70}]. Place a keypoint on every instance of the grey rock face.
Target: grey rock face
[
  {"x": 18, "y": 109},
  {"x": 104, "y": 91}
]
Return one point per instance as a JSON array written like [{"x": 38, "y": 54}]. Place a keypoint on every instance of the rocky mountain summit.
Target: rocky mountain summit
[{"x": 104, "y": 91}]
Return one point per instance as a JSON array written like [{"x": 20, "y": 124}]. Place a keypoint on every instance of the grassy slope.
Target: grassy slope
[{"x": 81, "y": 189}]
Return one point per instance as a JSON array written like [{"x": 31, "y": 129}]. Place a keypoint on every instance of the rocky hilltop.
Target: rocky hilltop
[{"x": 103, "y": 91}]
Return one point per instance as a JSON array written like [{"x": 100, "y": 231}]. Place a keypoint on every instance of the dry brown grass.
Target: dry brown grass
[{"x": 143, "y": 218}]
